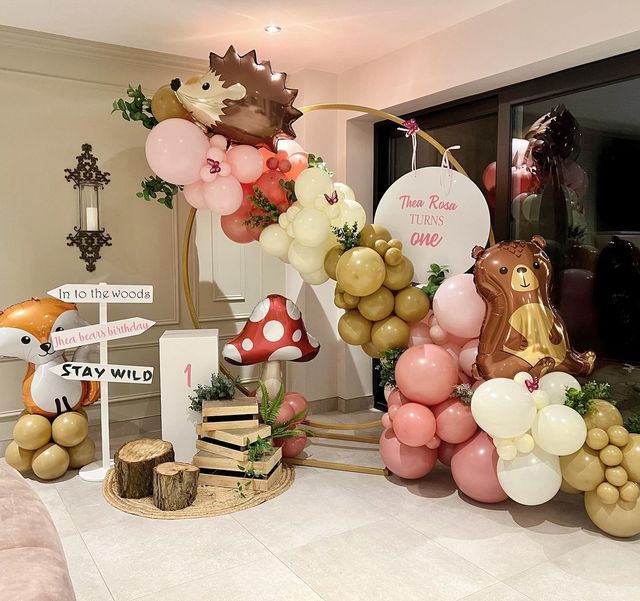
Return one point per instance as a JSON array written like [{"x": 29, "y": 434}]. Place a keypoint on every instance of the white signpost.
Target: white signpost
[{"x": 103, "y": 294}]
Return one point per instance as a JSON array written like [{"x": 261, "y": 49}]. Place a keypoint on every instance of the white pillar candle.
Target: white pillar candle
[{"x": 91, "y": 219}]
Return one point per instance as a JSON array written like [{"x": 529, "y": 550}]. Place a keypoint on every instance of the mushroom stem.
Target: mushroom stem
[{"x": 271, "y": 378}]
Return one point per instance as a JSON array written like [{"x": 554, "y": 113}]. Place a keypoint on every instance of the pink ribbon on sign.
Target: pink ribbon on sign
[
  {"x": 411, "y": 129},
  {"x": 533, "y": 384}
]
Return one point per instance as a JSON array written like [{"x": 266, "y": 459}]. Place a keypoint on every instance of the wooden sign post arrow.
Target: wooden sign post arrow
[
  {"x": 103, "y": 293},
  {"x": 99, "y": 372},
  {"x": 101, "y": 332}
]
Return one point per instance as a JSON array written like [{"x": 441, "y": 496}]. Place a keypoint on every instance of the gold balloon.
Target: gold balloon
[
  {"x": 82, "y": 454},
  {"x": 338, "y": 300},
  {"x": 597, "y": 439},
  {"x": 18, "y": 458},
  {"x": 390, "y": 333},
  {"x": 69, "y": 429},
  {"x": 607, "y": 493},
  {"x": 393, "y": 243},
  {"x": 566, "y": 487},
  {"x": 630, "y": 492},
  {"x": 631, "y": 457},
  {"x": 165, "y": 105},
  {"x": 360, "y": 271},
  {"x": 618, "y": 435},
  {"x": 350, "y": 300},
  {"x": 353, "y": 328},
  {"x": 399, "y": 276},
  {"x": 372, "y": 232},
  {"x": 611, "y": 455},
  {"x": 393, "y": 257},
  {"x": 50, "y": 462},
  {"x": 381, "y": 247},
  {"x": 32, "y": 431},
  {"x": 583, "y": 469},
  {"x": 371, "y": 350},
  {"x": 331, "y": 261},
  {"x": 378, "y": 305},
  {"x": 618, "y": 519},
  {"x": 411, "y": 304},
  {"x": 603, "y": 415},
  {"x": 616, "y": 475}
]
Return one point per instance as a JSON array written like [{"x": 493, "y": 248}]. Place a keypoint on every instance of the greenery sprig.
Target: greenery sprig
[
  {"x": 583, "y": 400},
  {"x": 290, "y": 189},
  {"x": 137, "y": 109},
  {"x": 387, "y": 367},
  {"x": 348, "y": 236},
  {"x": 268, "y": 212},
  {"x": 632, "y": 423},
  {"x": 438, "y": 274},
  {"x": 464, "y": 393},
  {"x": 220, "y": 388},
  {"x": 316, "y": 161},
  {"x": 257, "y": 450},
  {"x": 269, "y": 409},
  {"x": 163, "y": 192}
]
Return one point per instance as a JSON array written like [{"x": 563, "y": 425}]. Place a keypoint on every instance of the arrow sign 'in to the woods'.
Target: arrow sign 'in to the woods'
[
  {"x": 103, "y": 293},
  {"x": 104, "y": 373},
  {"x": 101, "y": 332}
]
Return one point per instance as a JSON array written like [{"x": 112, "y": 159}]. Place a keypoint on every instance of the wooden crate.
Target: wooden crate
[
  {"x": 237, "y": 454},
  {"x": 241, "y": 406},
  {"x": 239, "y": 438},
  {"x": 205, "y": 428},
  {"x": 208, "y": 460},
  {"x": 261, "y": 484}
]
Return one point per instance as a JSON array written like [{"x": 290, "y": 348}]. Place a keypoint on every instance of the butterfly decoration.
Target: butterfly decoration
[{"x": 333, "y": 199}]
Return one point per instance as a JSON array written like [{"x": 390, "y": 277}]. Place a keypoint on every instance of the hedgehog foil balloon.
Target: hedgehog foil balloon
[
  {"x": 242, "y": 99},
  {"x": 25, "y": 333}
]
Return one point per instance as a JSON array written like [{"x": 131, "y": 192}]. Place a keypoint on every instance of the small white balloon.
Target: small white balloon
[
  {"x": 275, "y": 241},
  {"x": 310, "y": 184},
  {"x": 521, "y": 377},
  {"x": 306, "y": 259},
  {"x": 540, "y": 398},
  {"x": 507, "y": 451},
  {"x": 525, "y": 444},
  {"x": 559, "y": 430},
  {"x": 344, "y": 190},
  {"x": 531, "y": 479},
  {"x": 311, "y": 227},
  {"x": 555, "y": 384},
  {"x": 352, "y": 212},
  {"x": 289, "y": 146},
  {"x": 315, "y": 278}
]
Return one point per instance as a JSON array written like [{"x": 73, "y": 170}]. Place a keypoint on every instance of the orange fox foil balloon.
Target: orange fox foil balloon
[
  {"x": 25, "y": 333},
  {"x": 522, "y": 330}
]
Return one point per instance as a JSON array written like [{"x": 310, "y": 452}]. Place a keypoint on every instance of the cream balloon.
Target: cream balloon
[
  {"x": 352, "y": 212},
  {"x": 305, "y": 259},
  {"x": 275, "y": 241},
  {"x": 310, "y": 184},
  {"x": 311, "y": 227},
  {"x": 555, "y": 385},
  {"x": 559, "y": 430},
  {"x": 344, "y": 191},
  {"x": 315, "y": 277},
  {"x": 530, "y": 479},
  {"x": 503, "y": 408}
]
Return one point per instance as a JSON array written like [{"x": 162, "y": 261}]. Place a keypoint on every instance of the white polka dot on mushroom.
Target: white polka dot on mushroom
[
  {"x": 313, "y": 341},
  {"x": 273, "y": 331},
  {"x": 231, "y": 353},
  {"x": 260, "y": 310},
  {"x": 292, "y": 310},
  {"x": 247, "y": 344},
  {"x": 286, "y": 353},
  {"x": 297, "y": 335}
]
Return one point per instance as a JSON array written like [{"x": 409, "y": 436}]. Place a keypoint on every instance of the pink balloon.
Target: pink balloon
[
  {"x": 445, "y": 452},
  {"x": 298, "y": 403},
  {"x": 419, "y": 334},
  {"x": 194, "y": 195},
  {"x": 388, "y": 389},
  {"x": 414, "y": 425},
  {"x": 467, "y": 356},
  {"x": 292, "y": 446},
  {"x": 464, "y": 378},
  {"x": 405, "y": 461},
  {"x": 393, "y": 409},
  {"x": 386, "y": 421},
  {"x": 434, "y": 443},
  {"x": 396, "y": 398},
  {"x": 246, "y": 163},
  {"x": 176, "y": 150},
  {"x": 426, "y": 374},
  {"x": 489, "y": 176},
  {"x": 218, "y": 141},
  {"x": 452, "y": 349},
  {"x": 223, "y": 195},
  {"x": 457, "y": 340},
  {"x": 473, "y": 467},
  {"x": 454, "y": 422},
  {"x": 458, "y": 308},
  {"x": 285, "y": 414},
  {"x": 438, "y": 335},
  {"x": 477, "y": 383}
]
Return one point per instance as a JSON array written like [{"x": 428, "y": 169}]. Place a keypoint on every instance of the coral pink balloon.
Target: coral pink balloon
[
  {"x": 299, "y": 162},
  {"x": 293, "y": 446},
  {"x": 464, "y": 378},
  {"x": 176, "y": 150},
  {"x": 234, "y": 226},
  {"x": 458, "y": 308},
  {"x": 393, "y": 409},
  {"x": 438, "y": 335},
  {"x": 445, "y": 452},
  {"x": 396, "y": 398},
  {"x": 414, "y": 424},
  {"x": 434, "y": 443},
  {"x": 388, "y": 389},
  {"x": 489, "y": 176},
  {"x": 477, "y": 383},
  {"x": 298, "y": 403},
  {"x": 473, "y": 467},
  {"x": 223, "y": 195},
  {"x": 269, "y": 183},
  {"x": 246, "y": 163},
  {"x": 467, "y": 356},
  {"x": 194, "y": 195},
  {"x": 405, "y": 461},
  {"x": 457, "y": 340},
  {"x": 454, "y": 422},
  {"x": 285, "y": 414},
  {"x": 426, "y": 374},
  {"x": 452, "y": 349},
  {"x": 218, "y": 141},
  {"x": 386, "y": 421},
  {"x": 419, "y": 334}
]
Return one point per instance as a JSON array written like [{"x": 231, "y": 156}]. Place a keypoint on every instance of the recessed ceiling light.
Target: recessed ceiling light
[{"x": 273, "y": 28}]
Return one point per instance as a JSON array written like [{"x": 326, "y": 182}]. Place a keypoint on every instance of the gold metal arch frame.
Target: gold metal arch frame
[{"x": 186, "y": 285}]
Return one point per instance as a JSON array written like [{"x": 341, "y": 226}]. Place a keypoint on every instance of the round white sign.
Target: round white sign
[{"x": 439, "y": 215}]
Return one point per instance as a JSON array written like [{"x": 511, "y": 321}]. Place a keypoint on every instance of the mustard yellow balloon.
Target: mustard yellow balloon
[
  {"x": 411, "y": 304},
  {"x": 371, "y": 350},
  {"x": 630, "y": 492},
  {"x": 371, "y": 233},
  {"x": 618, "y": 519},
  {"x": 617, "y": 476},
  {"x": 566, "y": 487},
  {"x": 390, "y": 333},
  {"x": 381, "y": 247},
  {"x": 70, "y": 429},
  {"x": 611, "y": 455},
  {"x": 597, "y": 439},
  {"x": 353, "y": 328},
  {"x": 331, "y": 261},
  {"x": 631, "y": 457},
  {"x": 360, "y": 271},
  {"x": 165, "y": 105},
  {"x": 17, "y": 458},
  {"x": 607, "y": 493},
  {"x": 399, "y": 276},
  {"x": 82, "y": 454},
  {"x": 618, "y": 435},
  {"x": 393, "y": 256},
  {"x": 603, "y": 415},
  {"x": 378, "y": 305},
  {"x": 32, "y": 432},
  {"x": 50, "y": 461},
  {"x": 583, "y": 469}
]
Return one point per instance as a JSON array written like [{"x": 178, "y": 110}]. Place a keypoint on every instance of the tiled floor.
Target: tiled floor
[{"x": 340, "y": 537}]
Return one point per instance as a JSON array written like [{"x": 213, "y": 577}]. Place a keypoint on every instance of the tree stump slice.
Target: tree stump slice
[
  {"x": 134, "y": 463},
  {"x": 175, "y": 485}
]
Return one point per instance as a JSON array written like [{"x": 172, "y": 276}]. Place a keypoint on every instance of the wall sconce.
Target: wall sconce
[{"x": 89, "y": 237}]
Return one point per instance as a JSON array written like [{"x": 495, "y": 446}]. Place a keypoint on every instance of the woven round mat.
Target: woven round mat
[{"x": 210, "y": 500}]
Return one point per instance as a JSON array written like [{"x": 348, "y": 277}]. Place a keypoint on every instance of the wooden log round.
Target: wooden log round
[
  {"x": 134, "y": 463},
  {"x": 175, "y": 485}
]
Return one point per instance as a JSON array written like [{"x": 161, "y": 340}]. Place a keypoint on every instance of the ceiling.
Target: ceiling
[{"x": 331, "y": 35}]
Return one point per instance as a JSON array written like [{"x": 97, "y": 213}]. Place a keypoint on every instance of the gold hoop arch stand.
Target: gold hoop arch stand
[{"x": 186, "y": 286}]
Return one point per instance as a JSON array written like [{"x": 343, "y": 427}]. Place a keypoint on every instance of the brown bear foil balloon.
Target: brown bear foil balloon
[
  {"x": 522, "y": 330},
  {"x": 242, "y": 99}
]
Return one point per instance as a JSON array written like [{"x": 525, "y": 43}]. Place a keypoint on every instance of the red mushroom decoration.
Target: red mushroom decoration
[{"x": 275, "y": 332}]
